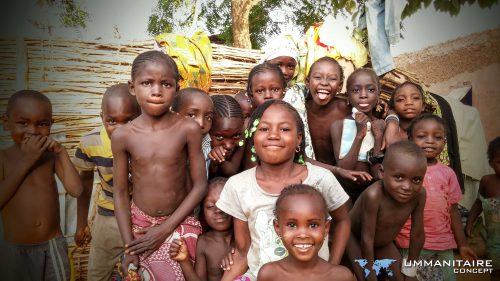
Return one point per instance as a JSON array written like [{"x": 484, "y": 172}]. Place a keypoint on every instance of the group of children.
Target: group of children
[{"x": 298, "y": 181}]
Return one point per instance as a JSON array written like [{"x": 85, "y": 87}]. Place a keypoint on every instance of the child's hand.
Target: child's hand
[
  {"x": 218, "y": 154},
  {"x": 33, "y": 147},
  {"x": 128, "y": 259},
  {"x": 227, "y": 261},
  {"x": 151, "y": 241},
  {"x": 466, "y": 253},
  {"x": 356, "y": 176},
  {"x": 54, "y": 146},
  {"x": 378, "y": 127},
  {"x": 82, "y": 236},
  {"x": 178, "y": 250},
  {"x": 361, "y": 120}
]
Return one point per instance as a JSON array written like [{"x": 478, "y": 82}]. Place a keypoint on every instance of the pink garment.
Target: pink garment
[
  {"x": 158, "y": 266},
  {"x": 443, "y": 190}
]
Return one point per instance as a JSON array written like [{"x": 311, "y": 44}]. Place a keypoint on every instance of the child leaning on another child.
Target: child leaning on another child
[{"x": 34, "y": 247}]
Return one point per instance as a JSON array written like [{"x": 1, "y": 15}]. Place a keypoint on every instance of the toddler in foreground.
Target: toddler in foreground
[{"x": 302, "y": 223}]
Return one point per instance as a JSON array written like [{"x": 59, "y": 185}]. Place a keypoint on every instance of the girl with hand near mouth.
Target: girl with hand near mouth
[
  {"x": 357, "y": 139},
  {"x": 250, "y": 196}
]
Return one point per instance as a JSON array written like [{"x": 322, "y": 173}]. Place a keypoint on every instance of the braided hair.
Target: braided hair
[{"x": 226, "y": 106}]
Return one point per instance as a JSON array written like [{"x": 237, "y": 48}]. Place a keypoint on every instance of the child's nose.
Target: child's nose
[
  {"x": 268, "y": 94},
  {"x": 155, "y": 91},
  {"x": 229, "y": 145}
]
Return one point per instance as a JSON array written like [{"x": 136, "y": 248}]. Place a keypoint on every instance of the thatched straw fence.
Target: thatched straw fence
[{"x": 74, "y": 75}]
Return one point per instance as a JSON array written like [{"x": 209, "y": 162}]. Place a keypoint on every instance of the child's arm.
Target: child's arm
[
  {"x": 369, "y": 215},
  {"x": 120, "y": 194},
  {"x": 378, "y": 127},
  {"x": 475, "y": 211},
  {"x": 417, "y": 234},
  {"x": 350, "y": 160},
  {"x": 82, "y": 234},
  {"x": 178, "y": 252},
  {"x": 341, "y": 233},
  {"x": 155, "y": 236},
  {"x": 225, "y": 167},
  {"x": 65, "y": 170},
  {"x": 340, "y": 172},
  {"x": 32, "y": 149},
  {"x": 456, "y": 225},
  {"x": 242, "y": 244}
]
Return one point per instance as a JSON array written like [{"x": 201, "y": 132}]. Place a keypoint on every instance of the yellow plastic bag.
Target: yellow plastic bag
[{"x": 192, "y": 55}]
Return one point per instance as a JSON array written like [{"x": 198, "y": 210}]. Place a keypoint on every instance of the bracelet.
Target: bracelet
[
  {"x": 410, "y": 271},
  {"x": 391, "y": 117}
]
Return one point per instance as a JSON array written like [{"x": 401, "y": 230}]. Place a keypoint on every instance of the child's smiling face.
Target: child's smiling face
[
  {"x": 363, "y": 92},
  {"x": 429, "y": 135},
  {"x": 403, "y": 176},
  {"x": 277, "y": 137},
  {"x": 324, "y": 82},
  {"x": 301, "y": 223}
]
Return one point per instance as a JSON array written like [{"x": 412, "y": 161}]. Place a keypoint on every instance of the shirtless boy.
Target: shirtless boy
[
  {"x": 35, "y": 248},
  {"x": 383, "y": 208},
  {"x": 158, "y": 145}
]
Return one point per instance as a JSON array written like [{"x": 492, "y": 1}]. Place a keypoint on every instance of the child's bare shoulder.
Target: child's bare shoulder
[
  {"x": 269, "y": 271},
  {"x": 339, "y": 273},
  {"x": 373, "y": 192}
]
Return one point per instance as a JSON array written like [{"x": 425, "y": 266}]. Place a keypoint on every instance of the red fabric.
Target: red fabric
[{"x": 158, "y": 266}]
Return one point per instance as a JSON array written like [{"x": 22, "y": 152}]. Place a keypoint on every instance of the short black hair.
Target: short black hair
[
  {"x": 300, "y": 189},
  {"x": 261, "y": 68},
  {"x": 259, "y": 111},
  {"x": 404, "y": 147},
  {"x": 30, "y": 94},
  {"x": 493, "y": 148},
  {"x": 423, "y": 117},
  {"x": 330, "y": 60},
  {"x": 121, "y": 91},
  {"x": 216, "y": 181},
  {"x": 359, "y": 71},
  {"x": 155, "y": 56},
  {"x": 184, "y": 94}
]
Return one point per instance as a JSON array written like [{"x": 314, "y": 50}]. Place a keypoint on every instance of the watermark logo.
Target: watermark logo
[
  {"x": 377, "y": 267},
  {"x": 459, "y": 266}
]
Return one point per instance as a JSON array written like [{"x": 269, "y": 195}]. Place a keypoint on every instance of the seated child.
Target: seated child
[
  {"x": 250, "y": 196},
  {"x": 213, "y": 245},
  {"x": 196, "y": 104},
  {"x": 245, "y": 104},
  {"x": 302, "y": 223},
  {"x": 489, "y": 203},
  {"x": 442, "y": 222},
  {"x": 227, "y": 129},
  {"x": 118, "y": 107},
  {"x": 356, "y": 135},
  {"x": 34, "y": 246},
  {"x": 383, "y": 208},
  {"x": 161, "y": 149}
]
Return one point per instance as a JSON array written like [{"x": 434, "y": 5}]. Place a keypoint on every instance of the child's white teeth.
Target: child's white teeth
[{"x": 303, "y": 246}]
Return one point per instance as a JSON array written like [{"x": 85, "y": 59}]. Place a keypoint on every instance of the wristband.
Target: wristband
[
  {"x": 392, "y": 117},
  {"x": 410, "y": 271}
]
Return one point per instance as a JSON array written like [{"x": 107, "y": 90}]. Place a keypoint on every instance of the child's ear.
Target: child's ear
[
  {"x": 327, "y": 227},
  {"x": 100, "y": 114},
  {"x": 276, "y": 227},
  {"x": 131, "y": 88},
  {"x": 307, "y": 82},
  {"x": 380, "y": 171}
]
